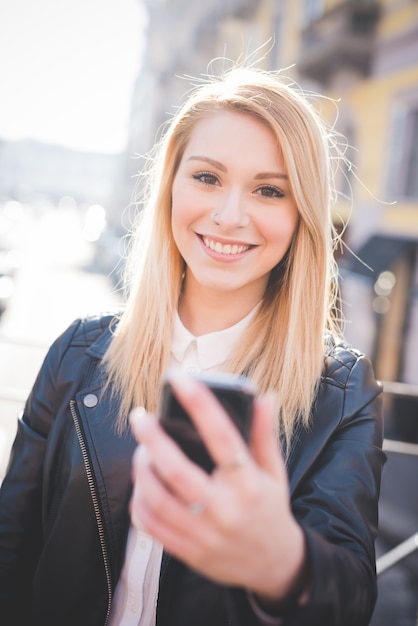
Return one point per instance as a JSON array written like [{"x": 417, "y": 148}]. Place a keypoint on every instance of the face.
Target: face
[{"x": 233, "y": 214}]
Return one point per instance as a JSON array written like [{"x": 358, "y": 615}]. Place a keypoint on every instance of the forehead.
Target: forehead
[
  {"x": 234, "y": 120},
  {"x": 228, "y": 131}
]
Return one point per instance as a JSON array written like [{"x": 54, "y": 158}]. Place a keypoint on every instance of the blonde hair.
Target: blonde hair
[{"x": 284, "y": 347}]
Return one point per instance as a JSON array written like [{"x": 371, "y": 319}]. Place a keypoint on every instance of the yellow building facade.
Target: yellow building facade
[{"x": 364, "y": 56}]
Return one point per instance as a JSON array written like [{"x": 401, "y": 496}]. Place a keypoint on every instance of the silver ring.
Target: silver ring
[
  {"x": 196, "y": 508},
  {"x": 239, "y": 460},
  {"x": 199, "y": 506},
  {"x": 215, "y": 217}
]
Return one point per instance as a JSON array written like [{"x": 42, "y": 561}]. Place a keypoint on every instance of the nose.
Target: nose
[{"x": 231, "y": 211}]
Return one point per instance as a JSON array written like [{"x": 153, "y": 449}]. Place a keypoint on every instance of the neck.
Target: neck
[{"x": 203, "y": 311}]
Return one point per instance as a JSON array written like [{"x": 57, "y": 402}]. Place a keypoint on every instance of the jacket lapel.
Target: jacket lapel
[{"x": 310, "y": 442}]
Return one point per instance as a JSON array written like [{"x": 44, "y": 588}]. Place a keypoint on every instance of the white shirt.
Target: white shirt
[
  {"x": 136, "y": 594},
  {"x": 208, "y": 352}
]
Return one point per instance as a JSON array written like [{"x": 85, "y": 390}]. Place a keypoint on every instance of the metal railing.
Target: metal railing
[
  {"x": 409, "y": 545},
  {"x": 398, "y": 553}
]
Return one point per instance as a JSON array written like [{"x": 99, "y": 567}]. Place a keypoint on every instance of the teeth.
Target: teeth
[{"x": 224, "y": 249}]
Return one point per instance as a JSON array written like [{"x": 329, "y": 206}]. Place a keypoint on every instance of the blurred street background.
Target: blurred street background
[{"x": 86, "y": 88}]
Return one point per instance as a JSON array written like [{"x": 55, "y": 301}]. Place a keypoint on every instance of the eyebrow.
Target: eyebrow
[
  {"x": 216, "y": 164},
  {"x": 264, "y": 175},
  {"x": 221, "y": 166}
]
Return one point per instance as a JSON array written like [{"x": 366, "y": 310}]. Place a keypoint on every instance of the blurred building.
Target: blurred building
[
  {"x": 366, "y": 55},
  {"x": 32, "y": 170},
  {"x": 182, "y": 39},
  {"x": 363, "y": 54}
]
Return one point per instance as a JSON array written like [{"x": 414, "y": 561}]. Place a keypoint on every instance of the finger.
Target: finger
[
  {"x": 184, "y": 478},
  {"x": 181, "y": 544},
  {"x": 134, "y": 416},
  {"x": 265, "y": 446},
  {"x": 222, "y": 438},
  {"x": 183, "y": 530},
  {"x": 152, "y": 495}
]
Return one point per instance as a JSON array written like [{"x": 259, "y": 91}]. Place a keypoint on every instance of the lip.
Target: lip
[{"x": 232, "y": 248}]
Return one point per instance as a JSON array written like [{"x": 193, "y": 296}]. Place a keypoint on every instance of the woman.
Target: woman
[{"x": 231, "y": 270}]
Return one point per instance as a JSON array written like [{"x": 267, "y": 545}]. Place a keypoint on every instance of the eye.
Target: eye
[
  {"x": 207, "y": 178},
  {"x": 270, "y": 191}
]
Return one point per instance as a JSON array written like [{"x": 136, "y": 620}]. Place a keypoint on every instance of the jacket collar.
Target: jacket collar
[{"x": 98, "y": 349}]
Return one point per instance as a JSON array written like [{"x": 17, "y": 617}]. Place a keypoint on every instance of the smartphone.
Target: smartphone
[{"x": 235, "y": 393}]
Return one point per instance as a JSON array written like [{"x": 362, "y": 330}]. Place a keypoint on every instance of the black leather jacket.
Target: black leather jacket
[{"x": 64, "y": 502}]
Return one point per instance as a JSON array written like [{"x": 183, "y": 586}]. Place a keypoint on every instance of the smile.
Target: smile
[{"x": 227, "y": 248}]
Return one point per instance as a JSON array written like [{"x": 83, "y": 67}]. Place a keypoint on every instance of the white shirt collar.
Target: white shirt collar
[{"x": 208, "y": 351}]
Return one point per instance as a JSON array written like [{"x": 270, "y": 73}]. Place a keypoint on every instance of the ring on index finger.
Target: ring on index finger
[
  {"x": 197, "y": 508},
  {"x": 240, "y": 459}
]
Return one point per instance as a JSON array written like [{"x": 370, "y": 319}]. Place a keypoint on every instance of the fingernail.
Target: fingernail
[
  {"x": 137, "y": 419},
  {"x": 272, "y": 399}
]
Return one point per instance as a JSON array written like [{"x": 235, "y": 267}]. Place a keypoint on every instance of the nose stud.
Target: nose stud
[{"x": 215, "y": 218}]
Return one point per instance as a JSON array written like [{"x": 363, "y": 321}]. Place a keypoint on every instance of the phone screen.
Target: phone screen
[{"x": 235, "y": 394}]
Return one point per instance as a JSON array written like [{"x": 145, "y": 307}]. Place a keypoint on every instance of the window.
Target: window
[
  {"x": 411, "y": 182},
  {"x": 348, "y": 166},
  {"x": 312, "y": 10},
  {"x": 403, "y": 149}
]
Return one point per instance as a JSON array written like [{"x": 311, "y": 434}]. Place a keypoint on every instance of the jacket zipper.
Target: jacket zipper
[{"x": 96, "y": 507}]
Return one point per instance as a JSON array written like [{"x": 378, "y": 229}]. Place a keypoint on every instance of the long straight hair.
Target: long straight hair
[{"x": 283, "y": 348}]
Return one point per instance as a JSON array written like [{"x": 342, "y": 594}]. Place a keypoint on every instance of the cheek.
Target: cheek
[
  {"x": 175, "y": 223},
  {"x": 177, "y": 210},
  {"x": 281, "y": 228},
  {"x": 181, "y": 206},
  {"x": 291, "y": 225},
  {"x": 181, "y": 217}
]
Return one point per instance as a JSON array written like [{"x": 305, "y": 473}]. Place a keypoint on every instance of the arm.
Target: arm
[
  {"x": 335, "y": 499},
  {"x": 337, "y": 505},
  {"x": 21, "y": 493}
]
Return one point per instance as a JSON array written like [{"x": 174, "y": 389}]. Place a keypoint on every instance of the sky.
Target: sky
[{"x": 67, "y": 69}]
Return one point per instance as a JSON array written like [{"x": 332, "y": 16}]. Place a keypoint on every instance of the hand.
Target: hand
[{"x": 234, "y": 525}]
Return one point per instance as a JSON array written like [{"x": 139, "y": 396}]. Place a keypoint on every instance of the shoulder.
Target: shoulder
[
  {"x": 341, "y": 360},
  {"x": 71, "y": 358},
  {"x": 85, "y": 331},
  {"x": 85, "y": 338},
  {"x": 347, "y": 407},
  {"x": 350, "y": 372}
]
